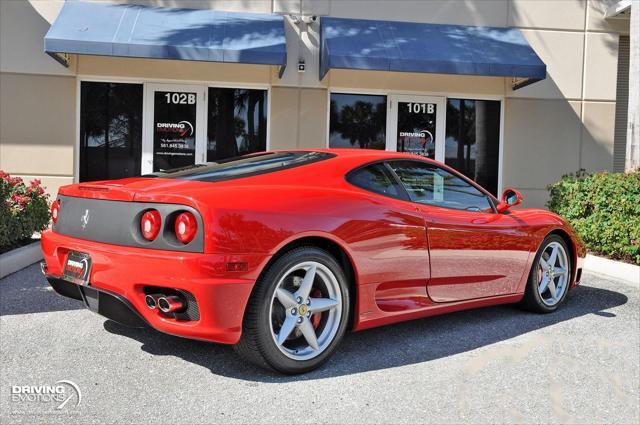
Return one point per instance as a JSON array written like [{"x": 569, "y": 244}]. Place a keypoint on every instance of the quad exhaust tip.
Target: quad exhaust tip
[{"x": 170, "y": 304}]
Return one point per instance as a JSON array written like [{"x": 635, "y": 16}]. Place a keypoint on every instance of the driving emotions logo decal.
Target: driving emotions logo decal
[
  {"x": 417, "y": 142},
  {"x": 423, "y": 136},
  {"x": 182, "y": 128}
]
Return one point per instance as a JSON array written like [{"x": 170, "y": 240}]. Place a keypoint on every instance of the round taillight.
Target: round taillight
[
  {"x": 55, "y": 211},
  {"x": 150, "y": 224},
  {"x": 185, "y": 227}
]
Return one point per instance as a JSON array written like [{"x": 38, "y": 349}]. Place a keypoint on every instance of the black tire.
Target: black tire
[
  {"x": 532, "y": 300},
  {"x": 256, "y": 344}
]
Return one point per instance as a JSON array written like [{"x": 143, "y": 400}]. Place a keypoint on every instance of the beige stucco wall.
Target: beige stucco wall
[
  {"x": 566, "y": 122},
  {"x": 22, "y": 31},
  {"x": 172, "y": 70},
  {"x": 38, "y": 127},
  {"x": 408, "y": 82},
  {"x": 37, "y": 101},
  {"x": 551, "y": 128},
  {"x": 298, "y": 118}
]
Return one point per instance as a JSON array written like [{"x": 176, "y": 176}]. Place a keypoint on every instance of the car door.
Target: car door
[
  {"x": 389, "y": 243},
  {"x": 475, "y": 252}
]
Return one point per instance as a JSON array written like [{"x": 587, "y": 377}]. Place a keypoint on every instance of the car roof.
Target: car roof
[
  {"x": 354, "y": 158},
  {"x": 347, "y": 159},
  {"x": 363, "y": 156}
]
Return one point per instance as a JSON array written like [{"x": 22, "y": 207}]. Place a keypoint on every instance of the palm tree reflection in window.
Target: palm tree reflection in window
[
  {"x": 357, "y": 121},
  {"x": 110, "y": 130},
  {"x": 237, "y": 122},
  {"x": 472, "y": 139}
]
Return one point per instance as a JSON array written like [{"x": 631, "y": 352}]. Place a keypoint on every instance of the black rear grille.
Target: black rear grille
[{"x": 192, "y": 312}]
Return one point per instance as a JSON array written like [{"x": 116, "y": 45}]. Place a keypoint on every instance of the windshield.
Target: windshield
[{"x": 244, "y": 166}]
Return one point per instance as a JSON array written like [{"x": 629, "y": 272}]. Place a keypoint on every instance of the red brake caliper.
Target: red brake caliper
[
  {"x": 540, "y": 271},
  {"x": 315, "y": 319}
]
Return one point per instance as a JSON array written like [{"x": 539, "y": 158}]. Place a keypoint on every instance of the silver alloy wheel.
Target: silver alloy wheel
[
  {"x": 553, "y": 273},
  {"x": 305, "y": 311}
]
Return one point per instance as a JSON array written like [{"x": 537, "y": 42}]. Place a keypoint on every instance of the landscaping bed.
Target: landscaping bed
[
  {"x": 24, "y": 211},
  {"x": 604, "y": 209},
  {"x": 18, "y": 244}
]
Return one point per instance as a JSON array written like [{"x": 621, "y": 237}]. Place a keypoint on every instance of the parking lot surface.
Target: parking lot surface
[{"x": 492, "y": 365}]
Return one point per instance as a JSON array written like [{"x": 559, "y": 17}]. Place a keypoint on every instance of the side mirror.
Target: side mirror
[{"x": 510, "y": 198}]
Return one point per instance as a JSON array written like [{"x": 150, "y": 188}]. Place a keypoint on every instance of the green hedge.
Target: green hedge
[
  {"x": 24, "y": 209},
  {"x": 604, "y": 208}
]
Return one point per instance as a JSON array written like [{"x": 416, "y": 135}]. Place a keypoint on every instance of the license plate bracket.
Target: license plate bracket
[{"x": 77, "y": 268}]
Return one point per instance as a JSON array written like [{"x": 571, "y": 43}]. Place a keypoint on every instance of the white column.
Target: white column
[{"x": 632, "y": 161}]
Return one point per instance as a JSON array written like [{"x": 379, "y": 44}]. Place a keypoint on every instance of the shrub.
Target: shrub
[
  {"x": 604, "y": 209},
  {"x": 23, "y": 210}
]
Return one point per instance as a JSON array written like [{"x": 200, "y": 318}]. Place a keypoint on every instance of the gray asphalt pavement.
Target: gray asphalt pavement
[{"x": 493, "y": 365}]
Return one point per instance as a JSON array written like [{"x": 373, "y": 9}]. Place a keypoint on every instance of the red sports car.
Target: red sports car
[{"x": 279, "y": 253}]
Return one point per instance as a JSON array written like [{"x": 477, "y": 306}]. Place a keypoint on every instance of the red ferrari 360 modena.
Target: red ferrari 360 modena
[{"x": 278, "y": 253}]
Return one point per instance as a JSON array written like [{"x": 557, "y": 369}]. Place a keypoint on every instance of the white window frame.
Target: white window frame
[
  {"x": 146, "y": 107},
  {"x": 445, "y": 95},
  {"x": 392, "y": 120},
  {"x": 147, "y": 126}
]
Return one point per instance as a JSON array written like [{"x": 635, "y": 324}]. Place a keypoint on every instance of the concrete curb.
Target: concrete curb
[
  {"x": 615, "y": 269},
  {"x": 19, "y": 258}
]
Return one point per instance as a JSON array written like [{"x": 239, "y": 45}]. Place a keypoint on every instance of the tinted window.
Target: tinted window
[
  {"x": 428, "y": 184},
  {"x": 375, "y": 178},
  {"x": 237, "y": 122},
  {"x": 110, "y": 130},
  {"x": 245, "y": 166},
  {"x": 357, "y": 121},
  {"x": 473, "y": 139}
]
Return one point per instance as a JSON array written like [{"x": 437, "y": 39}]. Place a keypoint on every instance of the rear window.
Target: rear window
[
  {"x": 244, "y": 166},
  {"x": 375, "y": 178}
]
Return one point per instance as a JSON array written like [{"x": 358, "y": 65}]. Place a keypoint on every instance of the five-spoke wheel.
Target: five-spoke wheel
[
  {"x": 550, "y": 276},
  {"x": 305, "y": 310},
  {"x": 553, "y": 273},
  {"x": 297, "y": 313}
]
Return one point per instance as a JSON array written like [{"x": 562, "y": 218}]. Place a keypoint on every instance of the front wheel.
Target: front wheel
[
  {"x": 297, "y": 313},
  {"x": 550, "y": 276}
]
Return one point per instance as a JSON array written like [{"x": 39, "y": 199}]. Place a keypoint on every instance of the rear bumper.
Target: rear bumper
[
  {"x": 105, "y": 303},
  {"x": 120, "y": 276}
]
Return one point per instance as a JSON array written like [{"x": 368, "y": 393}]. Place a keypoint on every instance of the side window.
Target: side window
[
  {"x": 375, "y": 178},
  {"x": 431, "y": 185}
]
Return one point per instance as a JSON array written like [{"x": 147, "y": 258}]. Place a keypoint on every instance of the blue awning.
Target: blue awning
[
  {"x": 428, "y": 48},
  {"x": 167, "y": 33}
]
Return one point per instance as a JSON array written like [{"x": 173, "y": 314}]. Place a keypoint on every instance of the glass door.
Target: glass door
[
  {"x": 416, "y": 124},
  {"x": 174, "y": 127}
]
